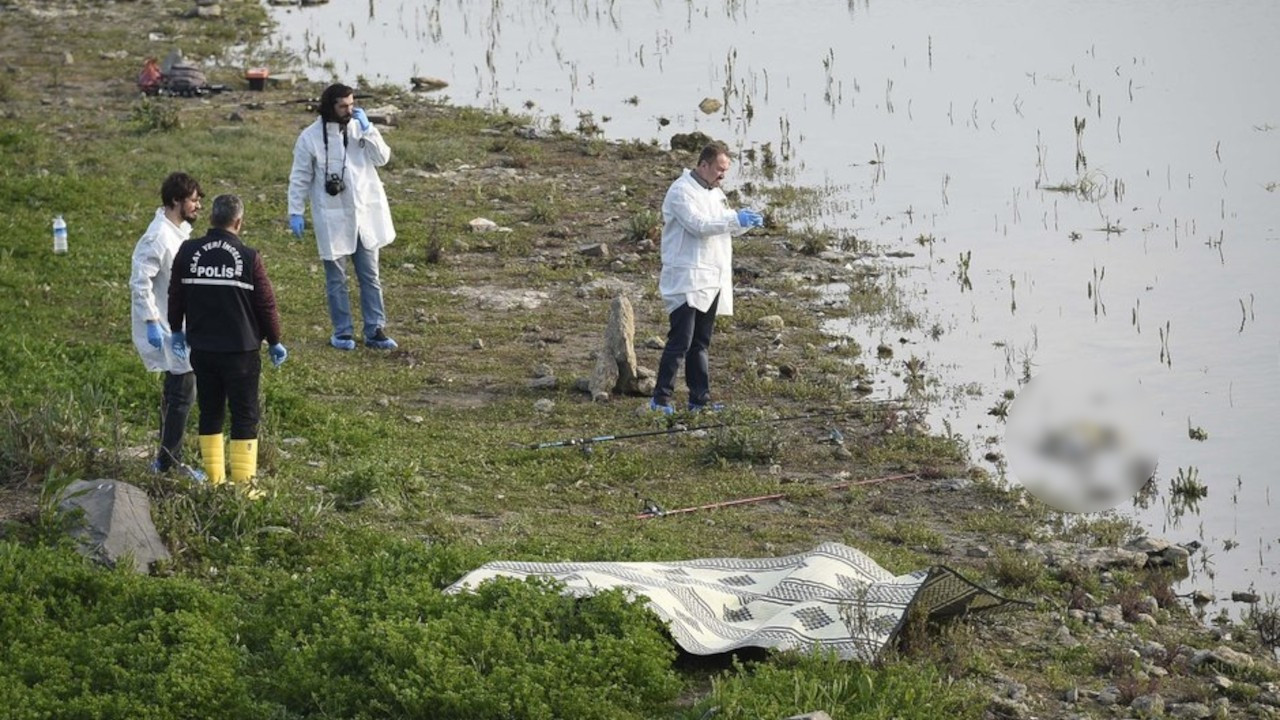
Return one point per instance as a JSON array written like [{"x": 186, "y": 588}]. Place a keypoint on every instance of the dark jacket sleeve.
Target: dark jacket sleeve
[
  {"x": 177, "y": 298},
  {"x": 264, "y": 302}
]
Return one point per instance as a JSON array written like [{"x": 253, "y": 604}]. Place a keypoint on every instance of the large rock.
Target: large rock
[
  {"x": 616, "y": 370},
  {"x": 116, "y": 523},
  {"x": 690, "y": 142}
]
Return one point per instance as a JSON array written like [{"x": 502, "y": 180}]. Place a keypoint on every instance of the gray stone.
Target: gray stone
[
  {"x": 1226, "y": 657},
  {"x": 477, "y": 344},
  {"x": 1007, "y": 709},
  {"x": 545, "y": 382},
  {"x": 690, "y": 142},
  {"x": 1109, "y": 696},
  {"x": 1148, "y": 705},
  {"x": 1064, "y": 637},
  {"x": 1110, "y": 615},
  {"x": 771, "y": 322},
  {"x": 598, "y": 250},
  {"x": 542, "y": 370},
  {"x": 1071, "y": 696},
  {"x": 482, "y": 225},
  {"x": 424, "y": 83},
  {"x": 815, "y": 715},
  {"x": 544, "y": 406},
  {"x": 615, "y": 370},
  {"x": 655, "y": 343},
  {"x": 116, "y": 523},
  {"x": 209, "y": 11},
  {"x": 1222, "y": 682},
  {"x": 1190, "y": 711},
  {"x": 1201, "y": 597},
  {"x": 1244, "y": 597},
  {"x": 710, "y": 105},
  {"x": 1148, "y": 545},
  {"x": 1152, "y": 649},
  {"x": 1145, "y": 619},
  {"x": 979, "y": 551},
  {"x": 1175, "y": 555}
]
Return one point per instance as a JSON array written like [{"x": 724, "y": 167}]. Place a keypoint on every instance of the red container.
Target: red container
[{"x": 257, "y": 78}]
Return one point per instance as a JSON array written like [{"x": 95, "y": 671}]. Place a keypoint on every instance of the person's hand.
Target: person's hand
[
  {"x": 278, "y": 354},
  {"x": 154, "y": 335},
  {"x": 750, "y": 218},
  {"x": 178, "y": 343},
  {"x": 363, "y": 120},
  {"x": 296, "y": 224}
]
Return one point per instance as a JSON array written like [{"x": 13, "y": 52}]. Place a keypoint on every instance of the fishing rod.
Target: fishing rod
[
  {"x": 653, "y": 510},
  {"x": 585, "y": 442}
]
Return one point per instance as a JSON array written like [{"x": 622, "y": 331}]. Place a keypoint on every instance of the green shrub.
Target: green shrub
[
  {"x": 156, "y": 115},
  {"x": 645, "y": 224},
  {"x": 796, "y": 684}
]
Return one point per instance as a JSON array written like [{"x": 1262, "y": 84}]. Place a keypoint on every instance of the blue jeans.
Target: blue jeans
[
  {"x": 175, "y": 406},
  {"x": 688, "y": 340},
  {"x": 335, "y": 288}
]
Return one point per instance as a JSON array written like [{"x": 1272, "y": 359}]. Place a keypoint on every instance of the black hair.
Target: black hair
[
  {"x": 178, "y": 187},
  {"x": 330, "y": 97}
]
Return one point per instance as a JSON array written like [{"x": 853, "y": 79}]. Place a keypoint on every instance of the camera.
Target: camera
[{"x": 334, "y": 184}]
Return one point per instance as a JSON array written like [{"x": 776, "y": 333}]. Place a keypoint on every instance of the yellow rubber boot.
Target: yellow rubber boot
[
  {"x": 244, "y": 465},
  {"x": 211, "y": 455}
]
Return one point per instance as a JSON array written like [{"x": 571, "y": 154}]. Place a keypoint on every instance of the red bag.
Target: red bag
[{"x": 150, "y": 78}]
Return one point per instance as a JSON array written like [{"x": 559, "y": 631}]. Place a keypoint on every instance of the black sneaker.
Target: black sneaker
[{"x": 380, "y": 341}]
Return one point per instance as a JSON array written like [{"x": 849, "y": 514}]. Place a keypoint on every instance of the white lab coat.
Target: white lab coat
[
  {"x": 697, "y": 247},
  {"x": 149, "y": 289},
  {"x": 361, "y": 209}
]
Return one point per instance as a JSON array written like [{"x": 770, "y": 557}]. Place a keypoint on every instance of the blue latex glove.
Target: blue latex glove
[
  {"x": 359, "y": 116},
  {"x": 750, "y": 218},
  {"x": 296, "y": 223},
  {"x": 178, "y": 342},
  {"x": 154, "y": 336},
  {"x": 278, "y": 354}
]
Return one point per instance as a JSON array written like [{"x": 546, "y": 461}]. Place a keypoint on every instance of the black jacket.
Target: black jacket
[{"x": 220, "y": 295}]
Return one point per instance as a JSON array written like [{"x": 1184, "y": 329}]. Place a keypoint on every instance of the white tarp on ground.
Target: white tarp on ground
[{"x": 833, "y": 598}]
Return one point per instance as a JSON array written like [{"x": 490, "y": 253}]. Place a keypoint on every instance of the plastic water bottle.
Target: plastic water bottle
[{"x": 59, "y": 235}]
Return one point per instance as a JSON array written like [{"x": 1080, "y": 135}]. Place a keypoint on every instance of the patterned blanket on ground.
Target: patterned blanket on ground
[{"x": 833, "y": 598}]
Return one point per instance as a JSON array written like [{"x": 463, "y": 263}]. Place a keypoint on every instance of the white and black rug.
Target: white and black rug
[{"x": 833, "y": 598}]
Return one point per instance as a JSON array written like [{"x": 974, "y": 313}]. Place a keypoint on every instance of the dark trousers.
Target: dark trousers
[
  {"x": 688, "y": 340},
  {"x": 228, "y": 380},
  {"x": 175, "y": 406}
]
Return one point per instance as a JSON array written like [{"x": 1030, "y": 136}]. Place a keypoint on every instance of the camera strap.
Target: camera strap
[{"x": 324, "y": 132}]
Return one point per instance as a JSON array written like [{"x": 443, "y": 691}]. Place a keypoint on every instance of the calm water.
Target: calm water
[{"x": 1163, "y": 113}]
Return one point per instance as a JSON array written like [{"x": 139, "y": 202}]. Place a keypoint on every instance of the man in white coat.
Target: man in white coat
[
  {"x": 335, "y": 166},
  {"x": 697, "y": 273},
  {"x": 149, "y": 290}
]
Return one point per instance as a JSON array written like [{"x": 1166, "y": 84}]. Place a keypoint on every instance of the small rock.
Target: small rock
[
  {"x": 1145, "y": 619},
  {"x": 477, "y": 344},
  {"x": 541, "y": 370},
  {"x": 710, "y": 105},
  {"x": 1241, "y": 596},
  {"x": 1110, "y": 615},
  {"x": 1222, "y": 682},
  {"x": 1202, "y": 597},
  {"x": 602, "y": 396},
  {"x": 209, "y": 11},
  {"x": 1109, "y": 696},
  {"x": 788, "y": 371},
  {"x": 815, "y": 715},
  {"x": 1148, "y": 605},
  {"x": 771, "y": 322},
  {"x": 1148, "y": 545},
  {"x": 982, "y": 551},
  {"x": 235, "y": 116},
  {"x": 68, "y": 58},
  {"x": 1065, "y": 638},
  {"x": 1190, "y": 711},
  {"x": 655, "y": 343},
  {"x": 1148, "y": 705},
  {"x": 546, "y": 382},
  {"x": 481, "y": 225},
  {"x": 599, "y": 250},
  {"x": 1076, "y": 614},
  {"x": 544, "y": 406},
  {"x": 414, "y": 419},
  {"x": 1071, "y": 696}
]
